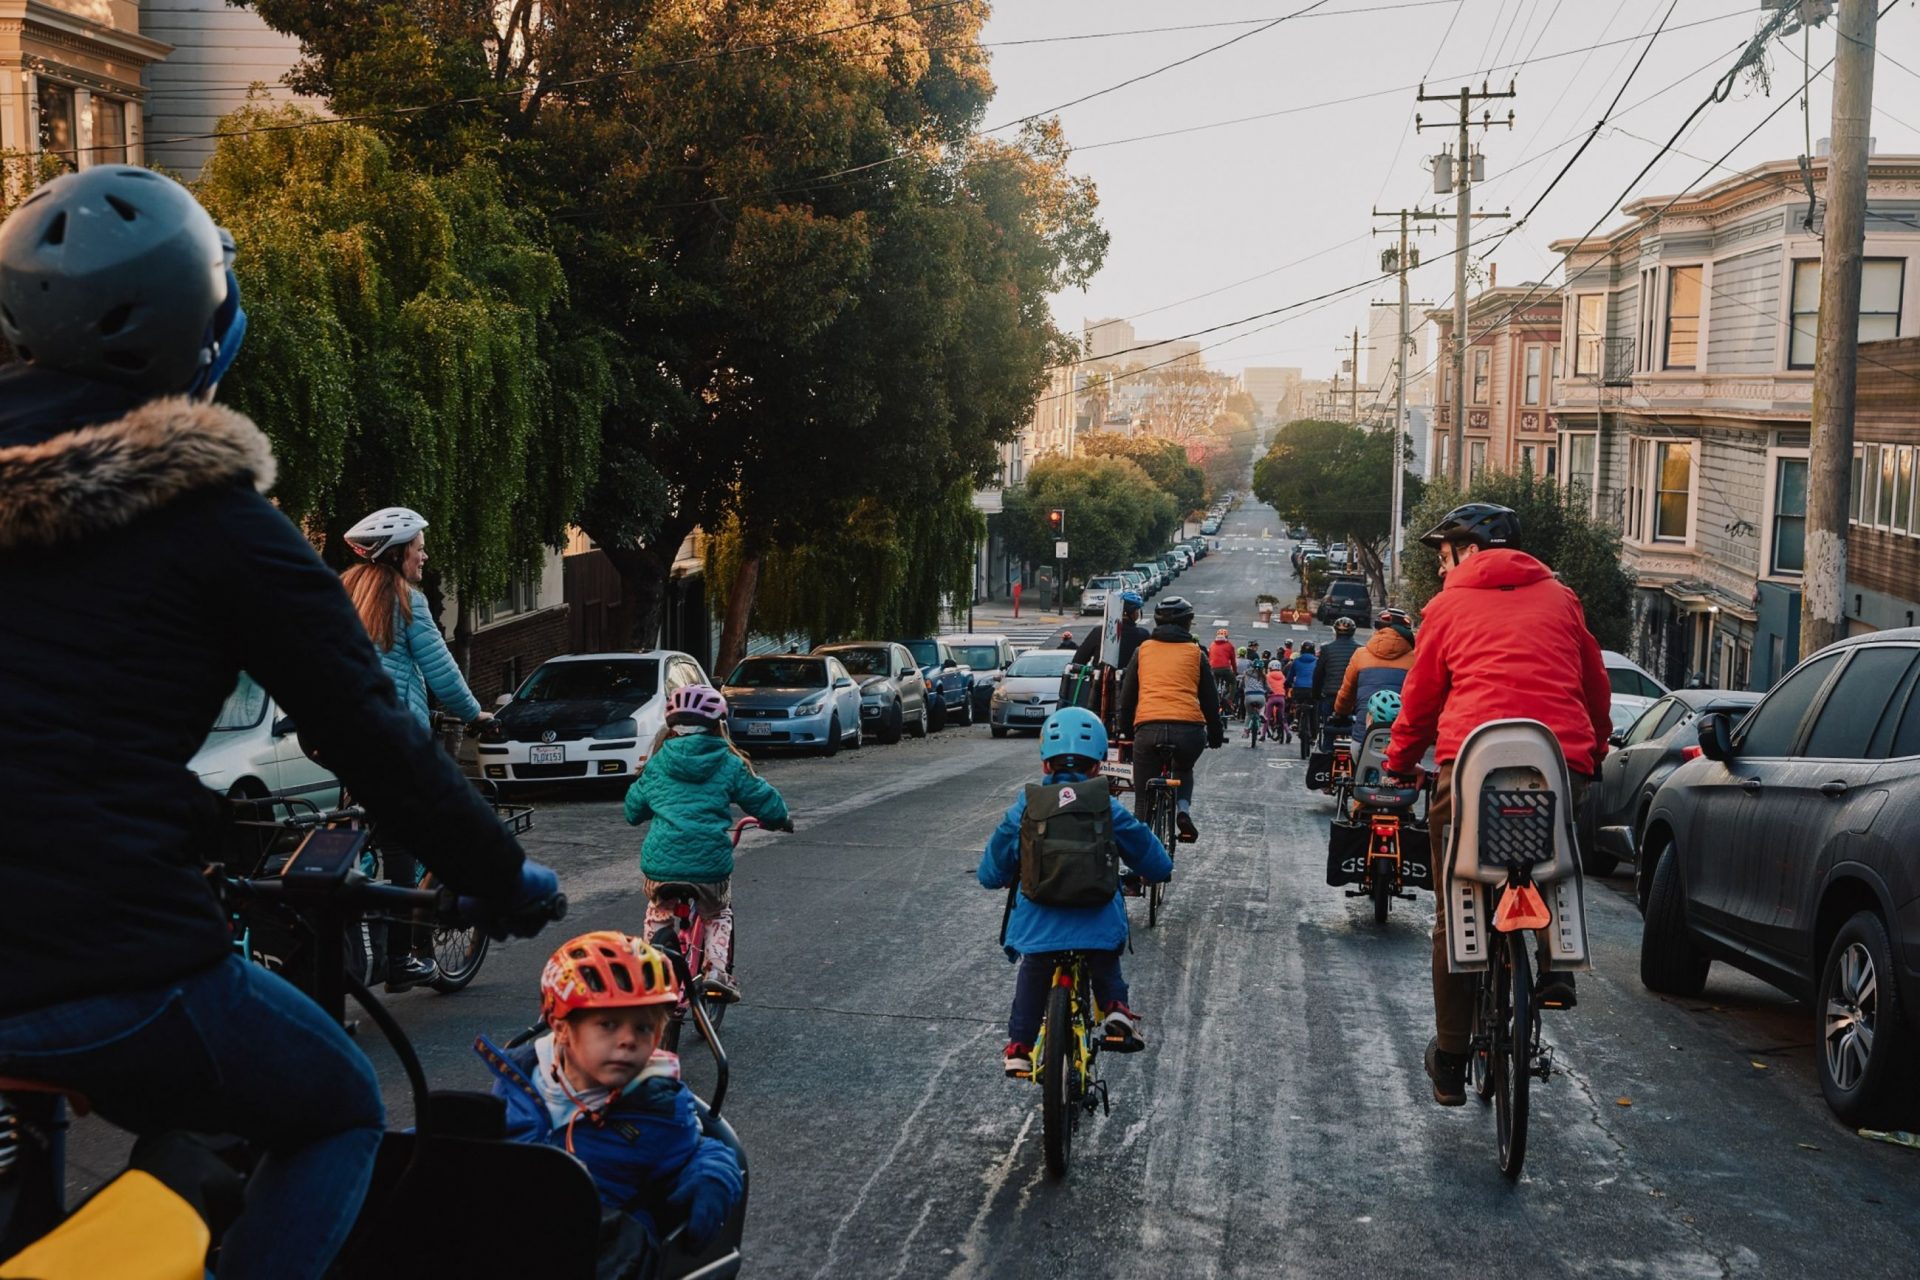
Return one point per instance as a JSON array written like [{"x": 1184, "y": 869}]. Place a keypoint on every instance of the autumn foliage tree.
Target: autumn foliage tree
[{"x": 1337, "y": 479}]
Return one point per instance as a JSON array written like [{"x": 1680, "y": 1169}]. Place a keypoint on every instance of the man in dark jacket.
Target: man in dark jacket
[
  {"x": 143, "y": 571},
  {"x": 1131, "y": 634},
  {"x": 1331, "y": 670}
]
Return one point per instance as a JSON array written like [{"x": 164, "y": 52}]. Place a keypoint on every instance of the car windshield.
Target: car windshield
[
  {"x": 863, "y": 662},
  {"x": 981, "y": 657},
  {"x": 1046, "y": 663},
  {"x": 244, "y": 707},
  {"x": 609, "y": 680},
  {"x": 925, "y": 652},
  {"x": 780, "y": 673},
  {"x": 1104, "y": 583}
]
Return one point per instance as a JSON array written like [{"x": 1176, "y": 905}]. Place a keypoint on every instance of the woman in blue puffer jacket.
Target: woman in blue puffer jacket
[{"x": 385, "y": 589}]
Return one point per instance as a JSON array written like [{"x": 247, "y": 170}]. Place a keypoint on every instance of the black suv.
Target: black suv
[
  {"x": 1786, "y": 848},
  {"x": 1347, "y": 598}
]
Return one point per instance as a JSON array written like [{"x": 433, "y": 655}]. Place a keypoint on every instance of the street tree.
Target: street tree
[
  {"x": 1336, "y": 479},
  {"x": 1116, "y": 514},
  {"x": 1164, "y": 462},
  {"x": 1555, "y": 528},
  {"x": 403, "y": 346}
]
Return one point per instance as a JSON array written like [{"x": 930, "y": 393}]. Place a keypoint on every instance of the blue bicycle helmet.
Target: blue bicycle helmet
[
  {"x": 1383, "y": 707},
  {"x": 1133, "y": 600},
  {"x": 1073, "y": 731}
]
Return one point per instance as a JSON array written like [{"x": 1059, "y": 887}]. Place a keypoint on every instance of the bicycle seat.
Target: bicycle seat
[
  {"x": 676, "y": 889},
  {"x": 1377, "y": 795}
]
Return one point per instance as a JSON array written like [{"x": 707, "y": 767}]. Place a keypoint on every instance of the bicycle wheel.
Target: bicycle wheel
[
  {"x": 457, "y": 952},
  {"x": 1059, "y": 1091},
  {"x": 1382, "y": 889},
  {"x": 1512, "y": 1054},
  {"x": 1479, "y": 1058}
]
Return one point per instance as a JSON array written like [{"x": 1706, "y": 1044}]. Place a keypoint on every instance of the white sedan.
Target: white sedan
[
  {"x": 584, "y": 716},
  {"x": 253, "y": 753},
  {"x": 1030, "y": 692},
  {"x": 1634, "y": 688}
]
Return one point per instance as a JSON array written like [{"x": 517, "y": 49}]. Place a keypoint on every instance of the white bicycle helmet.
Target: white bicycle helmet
[{"x": 385, "y": 529}]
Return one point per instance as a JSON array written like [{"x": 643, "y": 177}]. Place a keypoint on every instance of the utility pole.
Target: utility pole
[
  {"x": 1823, "y": 614},
  {"x": 1459, "y": 172},
  {"x": 1356, "y": 376},
  {"x": 1400, "y": 261}
]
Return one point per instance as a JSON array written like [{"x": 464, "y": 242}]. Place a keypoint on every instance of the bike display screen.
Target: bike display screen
[{"x": 326, "y": 855}]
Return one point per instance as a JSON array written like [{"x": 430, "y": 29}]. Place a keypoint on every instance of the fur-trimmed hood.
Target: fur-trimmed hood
[{"x": 96, "y": 479}]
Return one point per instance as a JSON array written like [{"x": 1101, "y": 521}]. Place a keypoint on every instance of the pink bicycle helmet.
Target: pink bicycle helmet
[{"x": 696, "y": 704}]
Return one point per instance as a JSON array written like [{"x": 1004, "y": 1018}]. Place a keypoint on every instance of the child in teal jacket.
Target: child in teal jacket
[{"x": 687, "y": 789}]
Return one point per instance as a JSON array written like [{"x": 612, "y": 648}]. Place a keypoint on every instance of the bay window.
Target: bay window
[
  {"x": 1589, "y": 328},
  {"x": 1882, "y": 281},
  {"x": 1683, "y": 317}
]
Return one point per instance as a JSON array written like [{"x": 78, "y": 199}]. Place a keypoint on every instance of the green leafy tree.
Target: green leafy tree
[
  {"x": 1115, "y": 513},
  {"x": 1337, "y": 479},
  {"x": 402, "y": 346},
  {"x": 1164, "y": 461},
  {"x": 1554, "y": 529}
]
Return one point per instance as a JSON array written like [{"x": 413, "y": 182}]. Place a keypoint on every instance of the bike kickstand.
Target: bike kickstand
[{"x": 1099, "y": 1088}]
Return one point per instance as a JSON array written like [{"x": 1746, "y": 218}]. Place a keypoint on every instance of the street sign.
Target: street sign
[{"x": 1060, "y": 551}]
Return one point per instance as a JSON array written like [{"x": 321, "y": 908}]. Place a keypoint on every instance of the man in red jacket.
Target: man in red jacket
[{"x": 1502, "y": 639}]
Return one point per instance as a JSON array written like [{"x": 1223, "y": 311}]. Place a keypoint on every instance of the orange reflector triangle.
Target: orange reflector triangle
[{"x": 1521, "y": 907}]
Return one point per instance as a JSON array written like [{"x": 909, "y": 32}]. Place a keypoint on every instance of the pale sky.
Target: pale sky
[{"x": 1287, "y": 197}]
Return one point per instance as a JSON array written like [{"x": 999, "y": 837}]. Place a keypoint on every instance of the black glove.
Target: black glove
[
  {"x": 1216, "y": 737},
  {"x": 785, "y": 824}
]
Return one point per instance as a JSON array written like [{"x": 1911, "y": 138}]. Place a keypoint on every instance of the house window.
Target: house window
[
  {"x": 1789, "y": 516},
  {"x": 1683, "y": 317},
  {"x": 1881, "y": 283},
  {"x": 1530, "y": 379},
  {"x": 1553, "y": 461},
  {"x": 1903, "y": 492},
  {"x": 1589, "y": 326},
  {"x": 522, "y": 596},
  {"x": 1528, "y": 456},
  {"x": 1856, "y": 489},
  {"x": 1476, "y": 459},
  {"x": 59, "y": 132},
  {"x": 1440, "y": 442},
  {"x": 109, "y": 131},
  {"x": 1673, "y": 490},
  {"x": 1649, "y": 311},
  {"x": 1583, "y": 450},
  {"x": 1553, "y": 373},
  {"x": 1481, "y": 359},
  {"x": 1883, "y": 508}
]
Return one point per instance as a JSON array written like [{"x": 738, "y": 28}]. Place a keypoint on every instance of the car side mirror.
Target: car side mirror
[
  {"x": 843, "y": 683},
  {"x": 1616, "y": 739},
  {"x": 1716, "y": 737},
  {"x": 949, "y": 665},
  {"x": 502, "y": 701},
  {"x": 284, "y": 727}
]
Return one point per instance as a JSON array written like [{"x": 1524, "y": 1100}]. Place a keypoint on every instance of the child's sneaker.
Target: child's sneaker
[
  {"x": 1188, "y": 832},
  {"x": 720, "y": 987},
  {"x": 1017, "y": 1061},
  {"x": 1120, "y": 1033}
]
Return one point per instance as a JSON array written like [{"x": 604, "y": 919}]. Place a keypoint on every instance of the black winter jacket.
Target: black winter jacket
[
  {"x": 141, "y": 571},
  {"x": 1332, "y": 667}
]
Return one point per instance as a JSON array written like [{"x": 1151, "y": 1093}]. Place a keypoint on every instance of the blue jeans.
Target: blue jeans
[
  {"x": 1031, "y": 984},
  {"x": 231, "y": 1049}
]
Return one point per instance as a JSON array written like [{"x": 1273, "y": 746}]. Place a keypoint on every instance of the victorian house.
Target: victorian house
[
  {"x": 1513, "y": 360},
  {"x": 70, "y": 86}
]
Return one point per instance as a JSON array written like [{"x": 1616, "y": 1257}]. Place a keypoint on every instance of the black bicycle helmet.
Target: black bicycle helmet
[
  {"x": 117, "y": 274},
  {"x": 1173, "y": 611},
  {"x": 1306, "y": 647},
  {"x": 1343, "y": 625},
  {"x": 1484, "y": 524}
]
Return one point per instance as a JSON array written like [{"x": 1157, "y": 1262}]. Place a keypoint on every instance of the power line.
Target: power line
[{"x": 1166, "y": 306}]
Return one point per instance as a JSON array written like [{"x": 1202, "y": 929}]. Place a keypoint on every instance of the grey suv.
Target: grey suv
[{"x": 1347, "y": 598}]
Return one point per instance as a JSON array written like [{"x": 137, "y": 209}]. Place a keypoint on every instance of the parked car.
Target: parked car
[
  {"x": 1174, "y": 563},
  {"x": 583, "y": 716},
  {"x": 253, "y": 753},
  {"x": 1644, "y": 755},
  {"x": 893, "y": 693},
  {"x": 1030, "y": 692},
  {"x": 1210, "y": 526},
  {"x": 1136, "y": 582},
  {"x": 791, "y": 700},
  {"x": 1298, "y": 532},
  {"x": 1094, "y": 598},
  {"x": 1337, "y": 557},
  {"x": 1787, "y": 849},
  {"x": 1347, "y": 598},
  {"x": 1156, "y": 576},
  {"x": 987, "y": 657},
  {"x": 1634, "y": 688},
  {"x": 1198, "y": 545},
  {"x": 949, "y": 683},
  {"x": 1308, "y": 550}
]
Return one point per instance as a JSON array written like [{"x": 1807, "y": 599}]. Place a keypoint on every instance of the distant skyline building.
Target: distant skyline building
[{"x": 1105, "y": 338}]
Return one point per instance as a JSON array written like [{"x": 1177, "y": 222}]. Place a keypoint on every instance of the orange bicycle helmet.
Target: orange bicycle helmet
[{"x": 605, "y": 970}]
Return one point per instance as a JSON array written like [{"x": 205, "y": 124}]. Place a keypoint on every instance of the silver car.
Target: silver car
[
  {"x": 1030, "y": 692},
  {"x": 893, "y": 693},
  {"x": 787, "y": 700}
]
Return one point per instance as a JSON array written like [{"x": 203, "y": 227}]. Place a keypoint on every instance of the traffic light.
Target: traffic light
[{"x": 1057, "y": 521}]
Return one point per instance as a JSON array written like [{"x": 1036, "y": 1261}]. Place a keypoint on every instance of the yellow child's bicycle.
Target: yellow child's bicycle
[{"x": 1064, "y": 1054}]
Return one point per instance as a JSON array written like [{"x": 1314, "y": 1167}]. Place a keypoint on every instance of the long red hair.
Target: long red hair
[{"x": 379, "y": 592}]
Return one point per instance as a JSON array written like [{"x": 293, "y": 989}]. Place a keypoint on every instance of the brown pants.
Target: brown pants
[{"x": 1453, "y": 992}]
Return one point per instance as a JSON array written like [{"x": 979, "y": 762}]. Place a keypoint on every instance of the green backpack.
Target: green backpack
[{"x": 1068, "y": 857}]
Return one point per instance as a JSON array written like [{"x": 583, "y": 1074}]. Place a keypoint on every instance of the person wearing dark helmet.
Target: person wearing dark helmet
[
  {"x": 1131, "y": 633},
  {"x": 1502, "y": 639},
  {"x": 1170, "y": 707},
  {"x": 144, "y": 568},
  {"x": 1382, "y": 665},
  {"x": 1331, "y": 670}
]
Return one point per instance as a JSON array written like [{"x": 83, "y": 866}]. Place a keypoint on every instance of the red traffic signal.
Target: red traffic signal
[{"x": 1057, "y": 521}]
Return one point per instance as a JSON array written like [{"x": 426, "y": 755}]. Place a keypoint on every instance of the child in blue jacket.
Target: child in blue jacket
[
  {"x": 597, "y": 1085},
  {"x": 1072, "y": 744},
  {"x": 687, "y": 789}
]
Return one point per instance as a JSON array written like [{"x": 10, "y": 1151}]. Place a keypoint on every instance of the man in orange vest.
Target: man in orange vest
[{"x": 1169, "y": 707}]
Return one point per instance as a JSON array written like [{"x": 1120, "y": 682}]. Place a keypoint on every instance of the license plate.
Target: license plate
[
  {"x": 1034, "y": 713},
  {"x": 759, "y": 729},
  {"x": 547, "y": 755}
]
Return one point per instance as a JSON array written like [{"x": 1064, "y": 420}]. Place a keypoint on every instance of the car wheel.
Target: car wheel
[
  {"x": 1859, "y": 1024},
  {"x": 966, "y": 712},
  {"x": 247, "y": 789},
  {"x": 1586, "y": 827},
  {"x": 1670, "y": 963},
  {"x": 895, "y": 725},
  {"x": 920, "y": 722},
  {"x": 937, "y": 712},
  {"x": 999, "y": 731},
  {"x": 833, "y": 737},
  {"x": 859, "y": 736}
]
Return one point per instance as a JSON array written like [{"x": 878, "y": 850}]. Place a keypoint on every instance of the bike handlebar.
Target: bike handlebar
[{"x": 442, "y": 906}]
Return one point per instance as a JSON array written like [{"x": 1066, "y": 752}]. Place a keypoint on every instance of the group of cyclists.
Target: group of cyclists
[{"x": 145, "y": 568}]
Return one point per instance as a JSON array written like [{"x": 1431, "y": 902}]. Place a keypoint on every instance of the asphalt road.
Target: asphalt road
[{"x": 1280, "y": 1122}]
